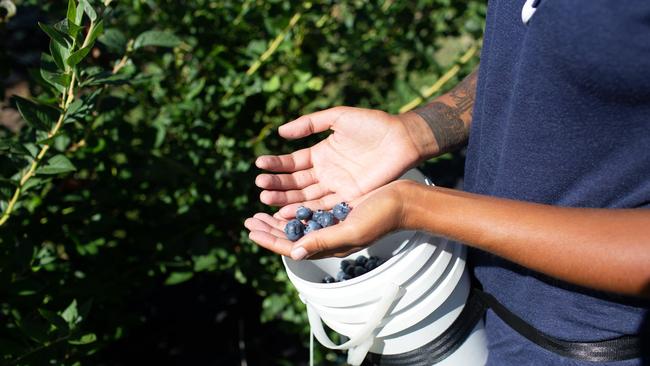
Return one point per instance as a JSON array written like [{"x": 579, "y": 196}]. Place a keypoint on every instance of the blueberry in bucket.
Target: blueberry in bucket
[
  {"x": 358, "y": 271},
  {"x": 346, "y": 263},
  {"x": 328, "y": 279},
  {"x": 371, "y": 264},
  {"x": 361, "y": 260},
  {"x": 355, "y": 268}
]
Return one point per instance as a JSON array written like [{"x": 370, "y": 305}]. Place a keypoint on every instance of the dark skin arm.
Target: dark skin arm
[
  {"x": 604, "y": 249},
  {"x": 443, "y": 125}
]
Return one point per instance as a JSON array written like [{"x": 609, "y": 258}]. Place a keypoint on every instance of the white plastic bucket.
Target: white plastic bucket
[{"x": 400, "y": 306}]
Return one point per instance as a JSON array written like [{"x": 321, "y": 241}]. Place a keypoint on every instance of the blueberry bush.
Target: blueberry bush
[{"x": 127, "y": 134}]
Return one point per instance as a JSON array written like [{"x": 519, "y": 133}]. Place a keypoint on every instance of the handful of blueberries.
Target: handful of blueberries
[
  {"x": 354, "y": 268},
  {"x": 314, "y": 220}
]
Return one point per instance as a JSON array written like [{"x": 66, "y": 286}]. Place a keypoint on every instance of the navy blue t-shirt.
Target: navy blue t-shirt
[{"x": 562, "y": 117}]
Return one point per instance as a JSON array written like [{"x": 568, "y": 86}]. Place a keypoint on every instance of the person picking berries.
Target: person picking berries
[{"x": 556, "y": 191}]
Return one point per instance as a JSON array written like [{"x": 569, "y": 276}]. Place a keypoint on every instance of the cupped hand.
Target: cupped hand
[
  {"x": 371, "y": 217},
  {"x": 366, "y": 150}
]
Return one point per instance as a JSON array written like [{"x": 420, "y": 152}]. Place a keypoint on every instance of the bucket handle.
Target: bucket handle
[{"x": 359, "y": 343}]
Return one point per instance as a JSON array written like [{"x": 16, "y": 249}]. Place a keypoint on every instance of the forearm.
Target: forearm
[
  {"x": 443, "y": 125},
  {"x": 605, "y": 249}
]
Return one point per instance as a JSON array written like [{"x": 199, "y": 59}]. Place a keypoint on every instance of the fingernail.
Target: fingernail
[{"x": 298, "y": 253}]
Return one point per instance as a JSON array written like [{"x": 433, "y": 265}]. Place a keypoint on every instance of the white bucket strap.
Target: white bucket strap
[{"x": 359, "y": 343}]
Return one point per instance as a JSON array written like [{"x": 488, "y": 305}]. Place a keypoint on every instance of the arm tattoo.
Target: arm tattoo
[
  {"x": 445, "y": 123},
  {"x": 463, "y": 94},
  {"x": 445, "y": 120}
]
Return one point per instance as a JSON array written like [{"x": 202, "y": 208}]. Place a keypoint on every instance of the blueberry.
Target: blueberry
[
  {"x": 350, "y": 269},
  {"x": 361, "y": 260},
  {"x": 371, "y": 264},
  {"x": 380, "y": 262},
  {"x": 294, "y": 230},
  {"x": 303, "y": 213},
  {"x": 328, "y": 279},
  {"x": 346, "y": 263},
  {"x": 342, "y": 276},
  {"x": 317, "y": 214},
  {"x": 312, "y": 226},
  {"x": 358, "y": 271},
  {"x": 325, "y": 219},
  {"x": 373, "y": 257},
  {"x": 341, "y": 210}
]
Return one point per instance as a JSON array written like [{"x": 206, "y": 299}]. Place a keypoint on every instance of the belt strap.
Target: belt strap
[
  {"x": 439, "y": 348},
  {"x": 616, "y": 349}
]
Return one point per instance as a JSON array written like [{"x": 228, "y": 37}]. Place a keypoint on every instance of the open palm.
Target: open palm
[{"x": 366, "y": 150}]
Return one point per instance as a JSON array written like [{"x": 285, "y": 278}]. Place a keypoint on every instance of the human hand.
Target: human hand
[
  {"x": 372, "y": 216},
  {"x": 367, "y": 149}
]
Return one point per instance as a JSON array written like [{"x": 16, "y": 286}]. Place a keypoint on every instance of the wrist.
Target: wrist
[
  {"x": 420, "y": 134},
  {"x": 409, "y": 208}
]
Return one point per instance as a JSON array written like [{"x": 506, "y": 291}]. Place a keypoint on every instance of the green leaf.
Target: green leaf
[
  {"x": 59, "y": 53},
  {"x": 72, "y": 11},
  {"x": 71, "y": 314},
  {"x": 79, "y": 55},
  {"x": 54, "y": 319},
  {"x": 56, "y": 165},
  {"x": 315, "y": 83},
  {"x": 32, "y": 148},
  {"x": 56, "y": 35},
  {"x": 88, "y": 9},
  {"x": 79, "y": 14},
  {"x": 97, "y": 31},
  {"x": 178, "y": 277},
  {"x": 272, "y": 85},
  {"x": 38, "y": 116},
  {"x": 13, "y": 147},
  {"x": 68, "y": 27},
  {"x": 47, "y": 141},
  {"x": 114, "y": 40},
  {"x": 156, "y": 38},
  {"x": 49, "y": 73},
  {"x": 107, "y": 78},
  {"x": 84, "y": 339},
  {"x": 33, "y": 182}
]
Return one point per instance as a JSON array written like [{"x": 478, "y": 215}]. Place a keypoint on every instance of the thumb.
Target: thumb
[
  {"x": 310, "y": 123},
  {"x": 330, "y": 239}
]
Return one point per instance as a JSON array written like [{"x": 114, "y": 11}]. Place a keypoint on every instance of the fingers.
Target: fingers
[
  {"x": 271, "y": 242},
  {"x": 296, "y": 161},
  {"x": 281, "y": 198},
  {"x": 268, "y": 232},
  {"x": 323, "y": 203},
  {"x": 273, "y": 221},
  {"x": 333, "y": 239},
  {"x": 311, "y": 123},
  {"x": 285, "y": 182},
  {"x": 254, "y": 224}
]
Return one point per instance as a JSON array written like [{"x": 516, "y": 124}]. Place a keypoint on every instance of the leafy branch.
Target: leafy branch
[{"x": 66, "y": 55}]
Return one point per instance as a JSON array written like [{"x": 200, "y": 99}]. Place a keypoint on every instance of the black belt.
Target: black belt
[
  {"x": 617, "y": 349},
  {"x": 441, "y": 347}
]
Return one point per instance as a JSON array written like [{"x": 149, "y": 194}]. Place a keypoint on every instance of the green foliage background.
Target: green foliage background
[{"x": 163, "y": 158}]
